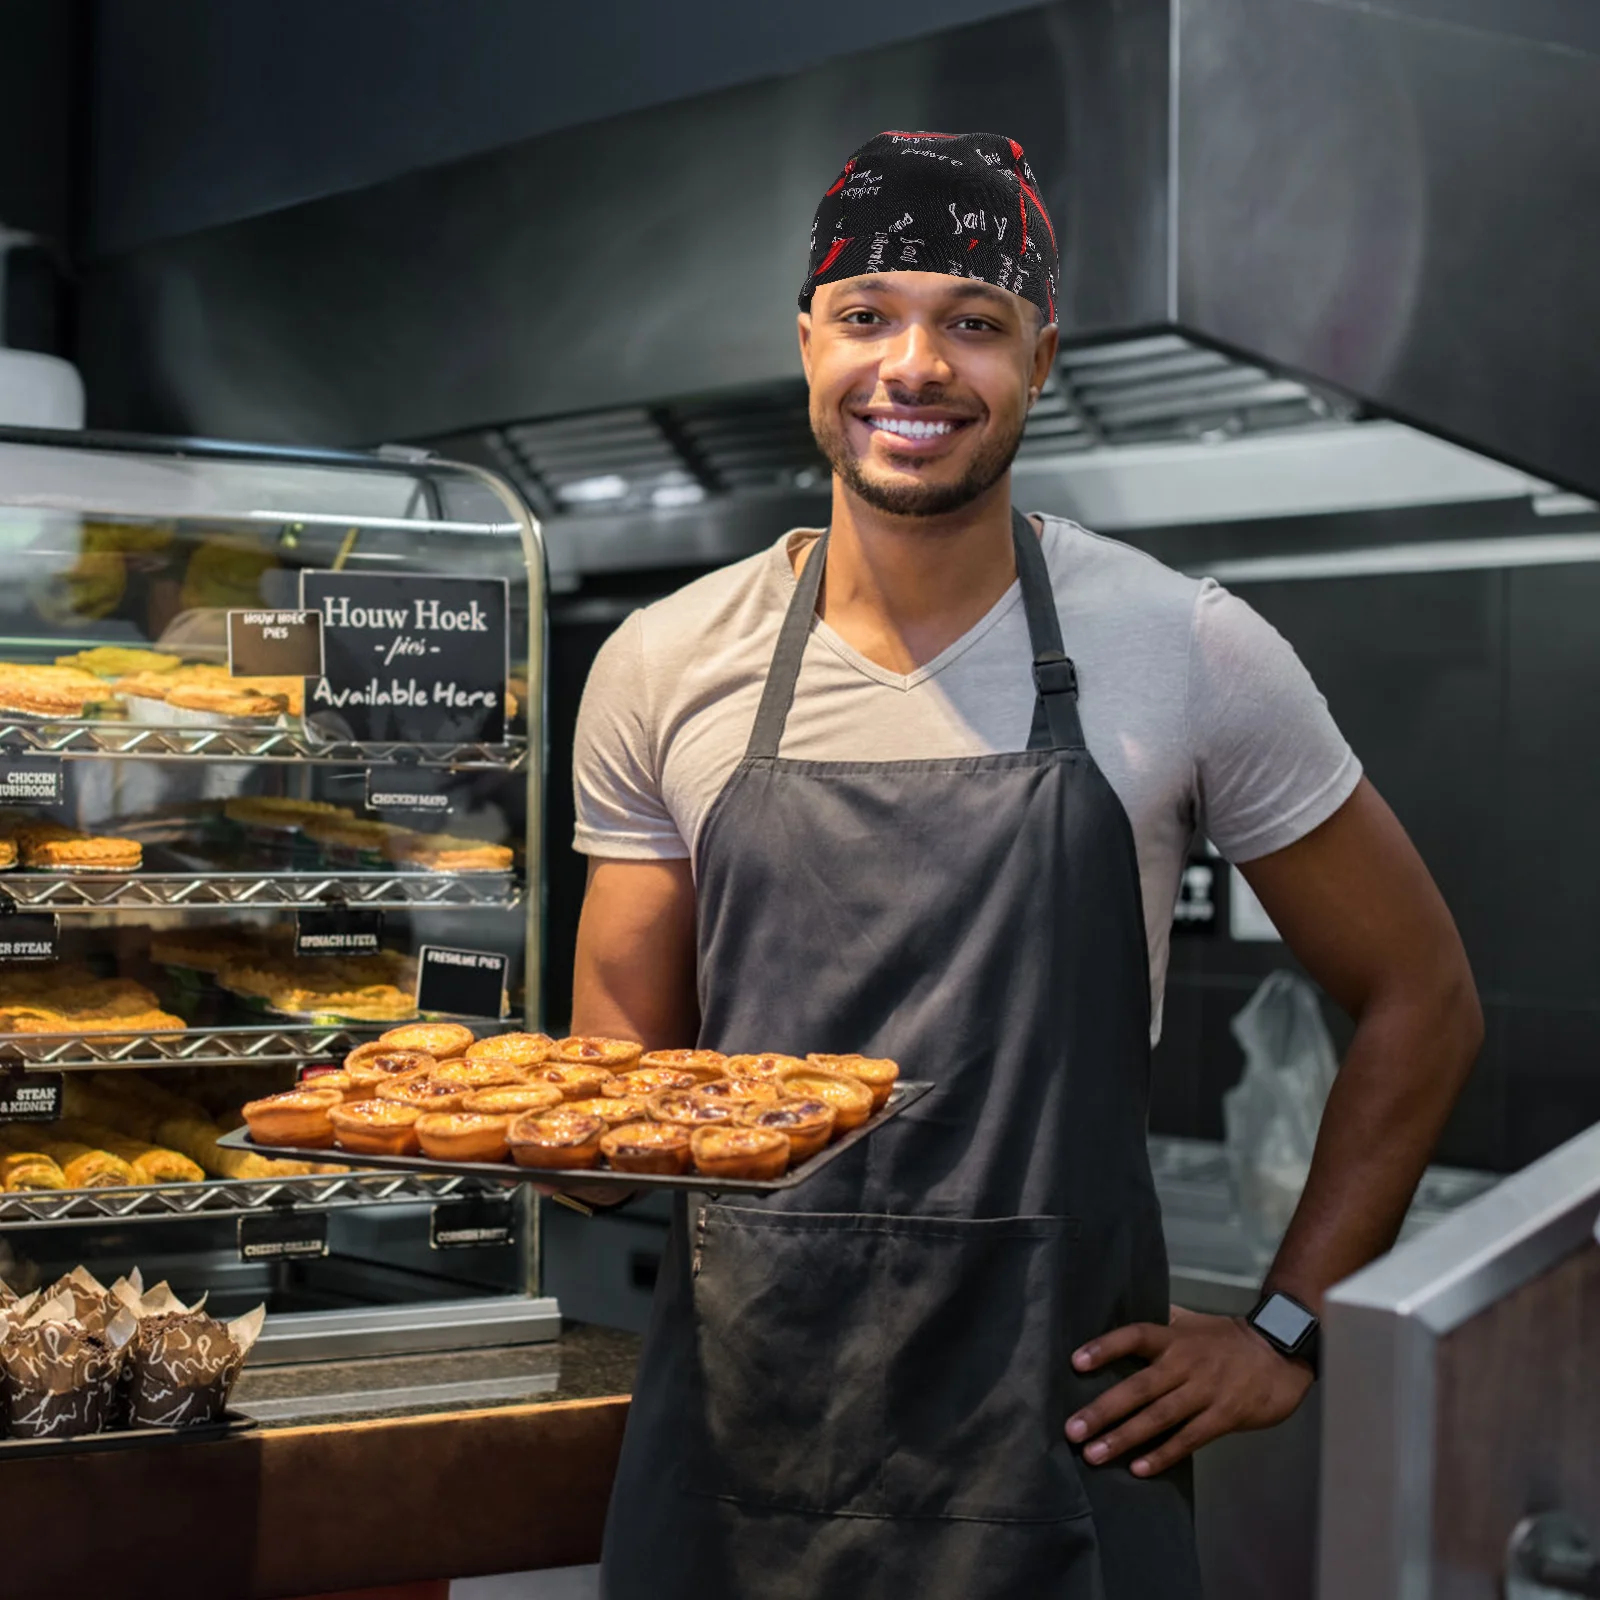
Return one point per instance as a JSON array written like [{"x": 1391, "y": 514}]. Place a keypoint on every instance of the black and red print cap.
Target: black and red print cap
[{"x": 963, "y": 203}]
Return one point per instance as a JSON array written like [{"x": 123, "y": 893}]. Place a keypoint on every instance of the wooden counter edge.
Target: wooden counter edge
[{"x": 306, "y": 1510}]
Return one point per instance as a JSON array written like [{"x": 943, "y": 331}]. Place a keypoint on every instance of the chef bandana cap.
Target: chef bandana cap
[{"x": 962, "y": 203}]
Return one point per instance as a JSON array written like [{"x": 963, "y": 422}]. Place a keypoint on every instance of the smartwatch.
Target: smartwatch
[{"x": 1289, "y": 1327}]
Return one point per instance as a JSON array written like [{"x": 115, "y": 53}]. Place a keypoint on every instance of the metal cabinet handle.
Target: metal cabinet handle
[{"x": 1552, "y": 1557}]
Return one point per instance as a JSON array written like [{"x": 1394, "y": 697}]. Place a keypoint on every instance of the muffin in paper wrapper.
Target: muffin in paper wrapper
[
  {"x": 182, "y": 1363},
  {"x": 57, "y": 1377},
  {"x": 93, "y": 1305}
]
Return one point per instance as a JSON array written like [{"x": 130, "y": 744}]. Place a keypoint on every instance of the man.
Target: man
[{"x": 923, "y": 786}]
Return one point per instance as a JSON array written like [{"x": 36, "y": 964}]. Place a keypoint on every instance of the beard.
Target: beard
[{"x": 905, "y": 498}]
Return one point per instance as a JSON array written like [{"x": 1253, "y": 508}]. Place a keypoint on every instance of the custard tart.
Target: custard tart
[
  {"x": 575, "y": 1082},
  {"x": 513, "y": 1099},
  {"x": 375, "y": 1128},
  {"x": 655, "y": 1147},
  {"x": 704, "y": 1064},
  {"x": 384, "y": 1066},
  {"x": 689, "y": 1108},
  {"x": 614, "y": 1109},
  {"x": 425, "y": 1092},
  {"x": 759, "y": 1153},
  {"x": 555, "y": 1139},
  {"x": 807, "y": 1123},
  {"x": 296, "y": 1117},
  {"x": 651, "y": 1080},
  {"x": 480, "y": 1074},
  {"x": 742, "y": 1091},
  {"x": 850, "y": 1098},
  {"x": 614, "y": 1055},
  {"x": 513, "y": 1049},
  {"x": 462, "y": 1136},
  {"x": 342, "y": 1081},
  {"x": 877, "y": 1072},
  {"x": 768, "y": 1066},
  {"x": 440, "y": 1039}
]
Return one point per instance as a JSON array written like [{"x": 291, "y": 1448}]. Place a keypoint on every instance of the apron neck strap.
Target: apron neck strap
[
  {"x": 1055, "y": 709},
  {"x": 1055, "y": 713}
]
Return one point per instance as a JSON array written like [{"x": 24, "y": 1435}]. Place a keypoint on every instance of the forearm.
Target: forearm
[{"x": 1405, "y": 1067}]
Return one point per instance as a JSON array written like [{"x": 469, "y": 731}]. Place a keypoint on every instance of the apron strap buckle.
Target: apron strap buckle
[{"x": 1054, "y": 673}]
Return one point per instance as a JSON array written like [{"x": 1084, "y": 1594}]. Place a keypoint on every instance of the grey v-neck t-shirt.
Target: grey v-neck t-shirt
[{"x": 1198, "y": 712}]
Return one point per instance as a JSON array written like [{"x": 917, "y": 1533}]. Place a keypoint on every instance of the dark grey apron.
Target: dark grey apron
[{"x": 858, "y": 1389}]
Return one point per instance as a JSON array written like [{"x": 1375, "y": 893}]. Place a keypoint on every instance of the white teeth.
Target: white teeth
[{"x": 909, "y": 429}]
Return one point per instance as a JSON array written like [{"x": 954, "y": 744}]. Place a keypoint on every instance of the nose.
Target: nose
[{"x": 913, "y": 359}]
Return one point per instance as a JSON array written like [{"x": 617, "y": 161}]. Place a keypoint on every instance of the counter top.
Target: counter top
[{"x": 585, "y": 1363}]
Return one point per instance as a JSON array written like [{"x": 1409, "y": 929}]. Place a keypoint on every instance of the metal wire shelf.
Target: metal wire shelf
[
  {"x": 196, "y": 891},
  {"x": 195, "y": 1047},
  {"x": 73, "y": 739},
  {"x": 60, "y": 1208}
]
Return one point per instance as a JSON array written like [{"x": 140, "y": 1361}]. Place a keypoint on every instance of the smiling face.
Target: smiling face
[{"x": 920, "y": 385}]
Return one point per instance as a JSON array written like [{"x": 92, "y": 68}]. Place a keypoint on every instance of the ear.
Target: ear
[
  {"x": 803, "y": 325},
  {"x": 1044, "y": 356}
]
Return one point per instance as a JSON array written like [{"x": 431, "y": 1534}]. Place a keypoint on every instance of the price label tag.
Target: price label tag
[
  {"x": 31, "y": 780},
  {"x": 30, "y": 1096},
  {"x": 408, "y": 788},
  {"x": 338, "y": 931},
  {"x": 30, "y": 938},
  {"x": 275, "y": 644},
  {"x": 471, "y": 1223},
  {"x": 421, "y": 660},
  {"x": 283, "y": 1236},
  {"x": 461, "y": 983}
]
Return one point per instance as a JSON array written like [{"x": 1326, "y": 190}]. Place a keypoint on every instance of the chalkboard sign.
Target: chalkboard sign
[
  {"x": 286, "y": 1235},
  {"x": 30, "y": 938},
  {"x": 419, "y": 660},
  {"x": 30, "y": 1096},
  {"x": 424, "y": 790},
  {"x": 461, "y": 983},
  {"x": 471, "y": 1223},
  {"x": 275, "y": 644},
  {"x": 338, "y": 931},
  {"x": 31, "y": 780}
]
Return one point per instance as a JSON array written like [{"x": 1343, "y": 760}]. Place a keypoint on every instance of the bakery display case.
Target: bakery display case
[{"x": 270, "y": 781}]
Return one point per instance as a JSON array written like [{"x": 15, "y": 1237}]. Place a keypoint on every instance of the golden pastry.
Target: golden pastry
[
  {"x": 462, "y": 1136},
  {"x": 150, "y": 1163},
  {"x": 850, "y": 1098},
  {"x": 226, "y": 701},
  {"x": 30, "y": 1169},
  {"x": 688, "y": 1108},
  {"x": 375, "y": 1128},
  {"x": 425, "y": 1092},
  {"x": 742, "y": 1091},
  {"x": 656, "y": 1147},
  {"x": 439, "y": 852},
  {"x": 514, "y": 1099},
  {"x": 879, "y": 1073},
  {"x": 8, "y": 853},
  {"x": 615, "y": 1055},
  {"x": 276, "y": 811},
  {"x": 296, "y": 1117},
  {"x": 704, "y": 1064},
  {"x": 515, "y": 1049},
  {"x": 764, "y": 1066},
  {"x": 480, "y": 1074},
  {"x": 114, "y": 660},
  {"x": 743, "y": 1153},
  {"x": 574, "y": 1082},
  {"x": 613, "y": 1110},
  {"x": 555, "y": 1139},
  {"x": 347, "y": 1086},
  {"x": 652, "y": 1080},
  {"x": 807, "y": 1123},
  {"x": 440, "y": 1039},
  {"x": 378, "y": 1066}
]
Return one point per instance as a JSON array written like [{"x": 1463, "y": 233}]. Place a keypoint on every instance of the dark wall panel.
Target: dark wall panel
[
  {"x": 208, "y": 112},
  {"x": 650, "y": 256}
]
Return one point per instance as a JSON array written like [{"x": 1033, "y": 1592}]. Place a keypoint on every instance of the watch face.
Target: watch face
[{"x": 1282, "y": 1320}]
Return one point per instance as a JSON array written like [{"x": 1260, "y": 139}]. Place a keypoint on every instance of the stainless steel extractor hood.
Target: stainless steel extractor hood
[{"x": 1385, "y": 205}]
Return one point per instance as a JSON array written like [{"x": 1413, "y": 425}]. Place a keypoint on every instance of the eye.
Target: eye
[
  {"x": 861, "y": 317},
  {"x": 981, "y": 324}
]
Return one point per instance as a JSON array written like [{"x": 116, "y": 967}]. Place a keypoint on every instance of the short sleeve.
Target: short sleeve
[
  {"x": 616, "y": 785},
  {"x": 1270, "y": 762}
]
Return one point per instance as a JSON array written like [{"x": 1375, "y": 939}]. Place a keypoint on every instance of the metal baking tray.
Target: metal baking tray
[
  {"x": 902, "y": 1095},
  {"x": 231, "y": 1423}
]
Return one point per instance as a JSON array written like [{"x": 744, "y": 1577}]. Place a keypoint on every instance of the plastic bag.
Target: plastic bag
[{"x": 1271, "y": 1115}]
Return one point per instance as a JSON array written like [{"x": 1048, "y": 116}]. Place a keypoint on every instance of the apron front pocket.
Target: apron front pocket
[{"x": 870, "y": 1365}]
